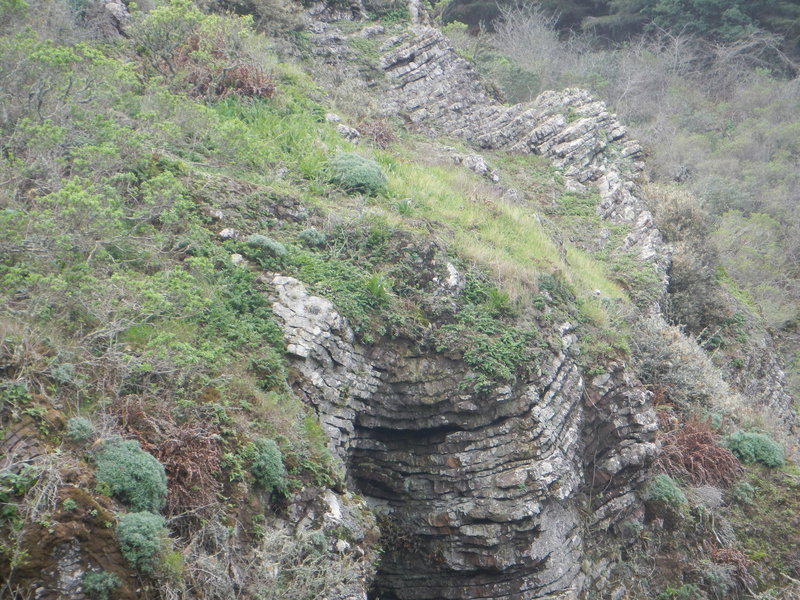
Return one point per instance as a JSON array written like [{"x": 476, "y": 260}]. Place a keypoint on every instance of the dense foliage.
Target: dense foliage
[
  {"x": 357, "y": 174},
  {"x": 718, "y": 119},
  {"x": 664, "y": 489},
  {"x": 132, "y": 475},
  {"x": 267, "y": 468},
  {"x": 100, "y": 585},
  {"x": 752, "y": 446},
  {"x": 619, "y": 19},
  {"x": 141, "y": 538}
]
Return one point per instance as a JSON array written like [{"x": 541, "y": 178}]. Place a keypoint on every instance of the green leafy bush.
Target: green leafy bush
[
  {"x": 268, "y": 469},
  {"x": 99, "y": 585},
  {"x": 79, "y": 429},
  {"x": 132, "y": 475},
  {"x": 313, "y": 237},
  {"x": 664, "y": 489},
  {"x": 742, "y": 493},
  {"x": 141, "y": 537},
  {"x": 355, "y": 173},
  {"x": 752, "y": 447}
]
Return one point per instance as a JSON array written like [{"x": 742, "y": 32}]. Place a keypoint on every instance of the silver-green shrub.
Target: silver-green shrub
[
  {"x": 79, "y": 429},
  {"x": 664, "y": 489},
  {"x": 267, "y": 469},
  {"x": 753, "y": 447},
  {"x": 99, "y": 585},
  {"x": 355, "y": 173},
  {"x": 141, "y": 537},
  {"x": 132, "y": 475}
]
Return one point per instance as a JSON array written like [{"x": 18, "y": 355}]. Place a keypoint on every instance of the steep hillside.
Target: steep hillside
[{"x": 292, "y": 307}]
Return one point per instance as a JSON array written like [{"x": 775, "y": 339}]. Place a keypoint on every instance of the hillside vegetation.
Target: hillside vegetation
[{"x": 153, "y": 182}]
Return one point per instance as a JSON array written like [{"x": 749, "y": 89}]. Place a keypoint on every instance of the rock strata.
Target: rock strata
[
  {"x": 484, "y": 496},
  {"x": 439, "y": 93}
]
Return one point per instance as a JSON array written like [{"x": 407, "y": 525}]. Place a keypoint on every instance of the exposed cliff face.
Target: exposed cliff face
[
  {"x": 487, "y": 495},
  {"x": 439, "y": 93}
]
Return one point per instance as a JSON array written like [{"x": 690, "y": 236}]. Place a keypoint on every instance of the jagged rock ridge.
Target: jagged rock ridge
[{"x": 439, "y": 92}]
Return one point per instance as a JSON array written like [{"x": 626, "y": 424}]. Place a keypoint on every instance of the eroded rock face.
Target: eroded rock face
[{"x": 486, "y": 496}]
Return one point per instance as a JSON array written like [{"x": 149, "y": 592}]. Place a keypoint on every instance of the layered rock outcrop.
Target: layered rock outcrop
[
  {"x": 485, "y": 496},
  {"x": 507, "y": 494},
  {"x": 439, "y": 93}
]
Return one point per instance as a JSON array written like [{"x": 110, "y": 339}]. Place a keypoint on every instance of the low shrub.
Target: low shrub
[
  {"x": 141, "y": 538},
  {"x": 355, "y": 173},
  {"x": 313, "y": 237},
  {"x": 742, "y": 493},
  {"x": 99, "y": 585},
  {"x": 268, "y": 469},
  {"x": 687, "y": 591},
  {"x": 266, "y": 243},
  {"x": 664, "y": 489},
  {"x": 267, "y": 252},
  {"x": 132, "y": 475},
  {"x": 80, "y": 429},
  {"x": 753, "y": 447}
]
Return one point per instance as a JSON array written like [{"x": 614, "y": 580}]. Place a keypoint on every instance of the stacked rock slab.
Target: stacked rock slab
[{"x": 485, "y": 495}]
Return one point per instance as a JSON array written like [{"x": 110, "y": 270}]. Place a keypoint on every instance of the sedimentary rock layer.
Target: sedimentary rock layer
[{"x": 485, "y": 496}]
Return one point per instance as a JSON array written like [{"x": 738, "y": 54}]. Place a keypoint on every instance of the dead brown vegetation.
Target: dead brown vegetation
[
  {"x": 379, "y": 130},
  {"x": 736, "y": 559},
  {"x": 233, "y": 79},
  {"x": 189, "y": 450},
  {"x": 690, "y": 452}
]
